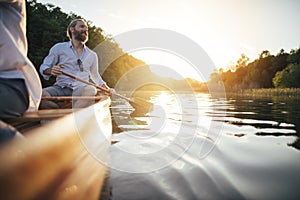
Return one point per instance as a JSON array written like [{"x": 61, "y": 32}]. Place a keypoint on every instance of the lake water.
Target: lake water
[{"x": 194, "y": 146}]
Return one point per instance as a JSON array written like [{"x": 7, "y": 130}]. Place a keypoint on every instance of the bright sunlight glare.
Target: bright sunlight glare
[{"x": 167, "y": 64}]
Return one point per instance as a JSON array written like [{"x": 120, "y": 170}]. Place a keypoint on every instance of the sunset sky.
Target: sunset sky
[{"x": 224, "y": 29}]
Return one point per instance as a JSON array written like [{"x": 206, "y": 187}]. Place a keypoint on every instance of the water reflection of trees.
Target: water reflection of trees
[{"x": 277, "y": 109}]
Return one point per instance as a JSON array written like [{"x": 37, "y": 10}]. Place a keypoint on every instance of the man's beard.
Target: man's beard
[{"x": 80, "y": 36}]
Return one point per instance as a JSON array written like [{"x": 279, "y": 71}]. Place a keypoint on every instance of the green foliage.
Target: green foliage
[
  {"x": 288, "y": 78},
  {"x": 259, "y": 73},
  {"x": 46, "y": 25},
  {"x": 294, "y": 56},
  {"x": 95, "y": 36}
]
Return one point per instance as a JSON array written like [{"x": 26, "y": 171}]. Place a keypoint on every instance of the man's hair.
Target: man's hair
[{"x": 73, "y": 24}]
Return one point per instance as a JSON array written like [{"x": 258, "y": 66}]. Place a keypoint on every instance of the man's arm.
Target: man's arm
[
  {"x": 49, "y": 62},
  {"x": 95, "y": 76},
  {"x": 94, "y": 73}
]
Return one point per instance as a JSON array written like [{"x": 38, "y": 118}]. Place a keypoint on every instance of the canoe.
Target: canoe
[{"x": 63, "y": 158}]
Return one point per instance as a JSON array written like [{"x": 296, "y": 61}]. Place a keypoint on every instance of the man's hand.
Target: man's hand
[
  {"x": 54, "y": 71},
  {"x": 112, "y": 91}
]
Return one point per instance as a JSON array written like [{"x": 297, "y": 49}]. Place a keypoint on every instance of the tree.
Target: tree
[
  {"x": 264, "y": 54},
  {"x": 294, "y": 56},
  {"x": 288, "y": 78},
  {"x": 242, "y": 61}
]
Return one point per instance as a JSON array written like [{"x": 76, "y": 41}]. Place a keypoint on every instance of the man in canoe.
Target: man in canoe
[
  {"x": 20, "y": 85},
  {"x": 72, "y": 57}
]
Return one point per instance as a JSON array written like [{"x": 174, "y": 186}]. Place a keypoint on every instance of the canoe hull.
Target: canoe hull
[{"x": 64, "y": 159}]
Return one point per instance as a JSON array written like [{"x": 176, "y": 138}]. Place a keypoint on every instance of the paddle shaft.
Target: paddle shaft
[
  {"x": 69, "y": 98},
  {"x": 96, "y": 86}
]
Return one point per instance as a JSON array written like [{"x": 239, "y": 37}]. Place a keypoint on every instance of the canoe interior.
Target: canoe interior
[{"x": 32, "y": 120}]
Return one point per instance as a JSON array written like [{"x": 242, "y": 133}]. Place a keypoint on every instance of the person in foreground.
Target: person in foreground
[
  {"x": 75, "y": 58},
  {"x": 20, "y": 85}
]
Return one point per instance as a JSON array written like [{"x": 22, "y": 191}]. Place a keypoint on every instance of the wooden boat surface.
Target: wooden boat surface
[{"x": 62, "y": 159}]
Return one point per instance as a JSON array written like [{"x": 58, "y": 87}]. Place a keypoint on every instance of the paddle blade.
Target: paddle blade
[{"x": 141, "y": 104}]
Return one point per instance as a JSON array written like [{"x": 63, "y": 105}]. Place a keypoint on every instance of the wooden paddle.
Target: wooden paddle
[
  {"x": 137, "y": 103},
  {"x": 70, "y": 98}
]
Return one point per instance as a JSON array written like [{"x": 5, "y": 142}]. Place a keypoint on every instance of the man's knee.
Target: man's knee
[
  {"x": 89, "y": 91},
  {"x": 45, "y": 104},
  {"x": 45, "y": 94}
]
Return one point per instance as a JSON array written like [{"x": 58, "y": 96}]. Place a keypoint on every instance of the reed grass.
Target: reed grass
[{"x": 270, "y": 92}]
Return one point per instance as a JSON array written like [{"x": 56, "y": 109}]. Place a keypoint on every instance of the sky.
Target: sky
[{"x": 224, "y": 29}]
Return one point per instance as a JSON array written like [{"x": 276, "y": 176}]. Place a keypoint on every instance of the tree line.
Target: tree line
[
  {"x": 46, "y": 25},
  {"x": 267, "y": 71}
]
